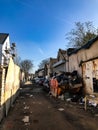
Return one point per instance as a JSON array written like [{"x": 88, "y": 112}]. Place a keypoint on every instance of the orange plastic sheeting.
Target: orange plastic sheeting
[
  {"x": 54, "y": 86},
  {"x": 54, "y": 83},
  {"x": 59, "y": 91}
]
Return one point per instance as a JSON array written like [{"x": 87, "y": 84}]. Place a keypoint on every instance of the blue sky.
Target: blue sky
[{"x": 38, "y": 27}]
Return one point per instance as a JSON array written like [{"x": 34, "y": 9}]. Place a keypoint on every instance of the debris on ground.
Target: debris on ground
[
  {"x": 25, "y": 119},
  {"x": 31, "y": 95},
  {"x": 68, "y": 99},
  {"x": 61, "y": 109},
  {"x": 26, "y": 107}
]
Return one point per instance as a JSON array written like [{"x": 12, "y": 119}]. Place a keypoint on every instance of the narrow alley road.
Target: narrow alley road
[{"x": 35, "y": 110}]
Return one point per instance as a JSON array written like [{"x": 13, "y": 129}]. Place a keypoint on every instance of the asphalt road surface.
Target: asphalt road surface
[{"x": 36, "y": 110}]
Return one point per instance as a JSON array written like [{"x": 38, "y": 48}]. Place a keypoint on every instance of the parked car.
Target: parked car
[
  {"x": 46, "y": 85},
  {"x": 36, "y": 80},
  {"x": 41, "y": 81}
]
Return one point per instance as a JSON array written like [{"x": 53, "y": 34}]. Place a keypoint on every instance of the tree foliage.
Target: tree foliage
[
  {"x": 81, "y": 34},
  {"x": 43, "y": 62},
  {"x": 26, "y": 65}
]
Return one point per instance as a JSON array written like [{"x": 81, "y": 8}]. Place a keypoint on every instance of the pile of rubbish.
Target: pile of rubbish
[
  {"x": 67, "y": 83},
  {"x": 68, "y": 86}
]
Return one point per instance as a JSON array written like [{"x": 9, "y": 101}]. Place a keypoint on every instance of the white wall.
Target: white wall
[
  {"x": 0, "y": 53},
  {"x": 82, "y": 55},
  {"x": 60, "y": 68},
  {"x": 5, "y": 46}
]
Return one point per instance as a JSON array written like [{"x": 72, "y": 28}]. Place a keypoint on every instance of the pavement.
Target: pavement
[{"x": 34, "y": 109}]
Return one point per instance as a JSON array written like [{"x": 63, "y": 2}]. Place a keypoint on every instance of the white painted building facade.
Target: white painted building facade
[{"x": 4, "y": 48}]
